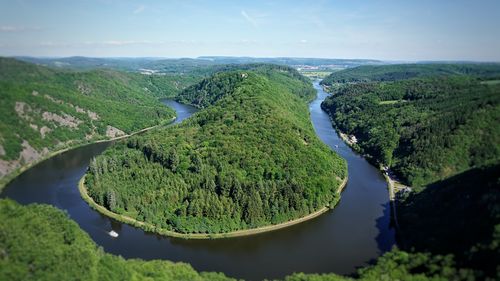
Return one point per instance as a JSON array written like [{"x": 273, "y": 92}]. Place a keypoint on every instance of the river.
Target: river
[{"x": 357, "y": 231}]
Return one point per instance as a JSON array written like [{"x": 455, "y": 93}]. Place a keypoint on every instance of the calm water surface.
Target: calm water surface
[{"x": 354, "y": 233}]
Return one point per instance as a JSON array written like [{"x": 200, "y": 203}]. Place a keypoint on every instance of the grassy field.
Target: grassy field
[
  {"x": 316, "y": 74},
  {"x": 391, "y": 101},
  {"x": 491, "y": 82}
]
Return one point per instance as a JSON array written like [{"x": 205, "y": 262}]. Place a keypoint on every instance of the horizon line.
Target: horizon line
[{"x": 257, "y": 57}]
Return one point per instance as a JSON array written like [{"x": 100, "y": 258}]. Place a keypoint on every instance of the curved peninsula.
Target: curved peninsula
[
  {"x": 249, "y": 162},
  {"x": 166, "y": 232}
]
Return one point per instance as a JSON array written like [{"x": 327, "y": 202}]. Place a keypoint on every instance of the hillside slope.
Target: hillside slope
[
  {"x": 424, "y": 129},
  {"x": 249, "y": 159},
  {"x": 44, "y": 110},
  {"x": 210, "y": 90}
]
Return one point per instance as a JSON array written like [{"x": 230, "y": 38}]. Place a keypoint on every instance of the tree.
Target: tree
[
  {"x": 173, "y": 160},
  {"x": 111, "y": 199},
  {"x": 196, "y": 160}
]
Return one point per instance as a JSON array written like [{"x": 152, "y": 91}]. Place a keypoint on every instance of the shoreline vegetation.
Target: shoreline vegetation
[
  {"x": 16, "y": 173},
  {"x": 239, "y": 233},
  {"x": 392, "y": 182},
  {"x": 393, "y": 185}
]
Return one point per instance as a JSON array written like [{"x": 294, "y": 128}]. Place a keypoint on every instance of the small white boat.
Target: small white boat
[
  {"x": 336, "y": 146},
  {"x": 113, "y": 233}
]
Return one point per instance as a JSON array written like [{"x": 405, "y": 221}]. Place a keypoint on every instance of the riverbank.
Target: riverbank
[
  {"x": 353, "y": 145},
  {"x": 393, "y": 186},
  {"x": 392, "y": 198},
  {"x": 4, "y": 181},
  {"x": 239, "y": 233}
]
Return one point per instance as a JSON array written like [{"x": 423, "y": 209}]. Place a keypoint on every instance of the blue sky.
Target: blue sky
[{"x": 378, "y": 29}]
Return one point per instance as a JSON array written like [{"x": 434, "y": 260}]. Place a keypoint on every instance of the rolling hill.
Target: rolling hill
[{"x": 44, "y": 110}]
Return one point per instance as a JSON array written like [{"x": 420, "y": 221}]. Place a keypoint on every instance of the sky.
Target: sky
[{"x": 401, "y": 30}]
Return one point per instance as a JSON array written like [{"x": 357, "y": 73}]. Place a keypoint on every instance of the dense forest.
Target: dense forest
[
  {"x": 424, "y": 129},
  {"x": 440, "y": 134},
  {"x": 210, "y": 90},
  {"x": 368, "y": 73},
  {"x": 249, "y": 159},
  {"x": 40, "y": 242},
  {"x": 44, "y": 109}
]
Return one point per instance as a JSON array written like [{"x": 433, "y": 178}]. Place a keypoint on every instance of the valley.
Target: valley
[
  {"x": 361, "y": 218},
  {"x": 249, "y": 140}
]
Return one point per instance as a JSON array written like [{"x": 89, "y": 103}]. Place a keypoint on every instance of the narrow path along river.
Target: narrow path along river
[{"x": 354, "y": 233}]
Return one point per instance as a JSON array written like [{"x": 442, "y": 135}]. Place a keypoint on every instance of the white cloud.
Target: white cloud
[
  {"x": 250, "y": 19},
  {"x": 127, "y": 42},
  {"x": 117, "y": 43},
  {"x": 303, "y": 41},
  {"x": 11, "y": 28},
  {"x": 109, "y": 43},
  {"x": 54, "y": 44},
  {"x": 139, "y": 9}
]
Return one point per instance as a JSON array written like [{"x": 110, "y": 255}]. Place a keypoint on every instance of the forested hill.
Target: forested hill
[
  {"x": 423, "y": 129},
  {"x": 367, "y": 73},
  {"x": 441, "y": 135},
  {"x": 220, "y": 84},
  {"x": 249, "y": 159},
  {"x": 43, "y": 110}
]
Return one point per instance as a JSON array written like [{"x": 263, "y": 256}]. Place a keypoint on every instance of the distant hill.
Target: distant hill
[
  {"x": 202, "y": 65},
  {"x": 368, "y": 73},
  {"x": 44, "y": 110},
  {"x": 213, "y": 88},
  {"x": 291, "y": 61}
]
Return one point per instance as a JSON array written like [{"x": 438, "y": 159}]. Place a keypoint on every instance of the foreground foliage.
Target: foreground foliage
[
  {"x": 459, "y": 216},
  {"x": 40, "y": 242},
  {"x": 249, "y": 159}
]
